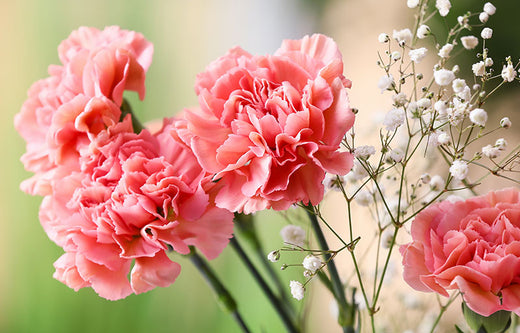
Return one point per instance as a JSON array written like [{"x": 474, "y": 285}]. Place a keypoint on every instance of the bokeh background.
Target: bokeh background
[{"x": 187, "y": 35}]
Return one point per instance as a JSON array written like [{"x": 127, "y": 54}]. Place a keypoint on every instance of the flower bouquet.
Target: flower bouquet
[{"x": 277, "y": 132}]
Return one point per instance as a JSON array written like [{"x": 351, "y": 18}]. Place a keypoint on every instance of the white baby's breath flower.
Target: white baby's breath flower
[
  {"x": 501, "y": 144},
  {"x": 417, "y": 55},
  {"x": 297, "y": 289},
  {"x": 425, "y": 178},
  {"x": 441, "y": 107},
  {"x": 508, "y": 73},
  {"x": 293, "y": 235},
  {"x": 424, "y": 103},
  {"x": 437, "y": 183},
  {"x": 334, "y": 182},
  {"x": 458, "y": 85},
  {"x": 443, "y": 138},
  {"x": 478, "y": 117},
  {"x": 358, "y": 172},
  {"x": 443, "y": 6},
  {"x": 444, "y": 52},
  {"x": 312, "y": 263},
  {"x": 363, "y": 198},
  {"x": 396, "y": 155},
  {"x": 443, "y": 77},
  {"x": 403, "y": 36},
  {"x": 490, "y": 151},
  {"x": 394, "y": 118},
  {"x": 457, "y": 112},
  {"x": 412, "y": 3},
  {"x": 486, "y": 33},
  {"x": 400, "y": 99},
  {"x": 273, "y": 256},
  {"x": 364, "y": 152},
  {"x": 469, "y": 42},
  {"x": 459, "y": 169},
  {"x": 505, "y": 122},
  {"x": 489, "y": 8},
  {"x": 396, "y": 55},
  {"x": 383, "y": 38},
  {"x": 385, "y": 82},
  {"x": 423, "y": 31},
  {"x": 483, "y": 17},
  {"x": 479, "y": 68},
  {"x": 488, "y": 62}
]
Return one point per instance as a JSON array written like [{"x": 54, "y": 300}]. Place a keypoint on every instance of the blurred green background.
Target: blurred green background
[{"x": 187, "y": 35}]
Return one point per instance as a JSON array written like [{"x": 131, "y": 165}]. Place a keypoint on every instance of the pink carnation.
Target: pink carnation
[
  {"x": 79, "y": 99},
  {"x": 472, "y": 246},
  {"x": 138, "y": 196},
  {"x": 269, "y": 127}
]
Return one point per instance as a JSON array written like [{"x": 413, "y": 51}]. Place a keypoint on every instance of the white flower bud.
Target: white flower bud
[
  {"x": 417, "y": 55},
  {"x": 458, "y": 85},
  {"x": 403, "y": 36},
  {"x": 396, "y": 55},
  {"x": 396, "y": 155},
  {"x": 383, "y": 38},
  {"x": 273, "y": 256},
  {"x": 425, "y": 178},
  {"x": 486, "y": 33},
  {"x": 489, "y": 8},
  {"x": 437, "y": 183},
  {"x": 490, "y": 151},
  {"x": 483, "y": 17},
  {"x": 423, "y": 31},
  {"x": 364, "y": 152},
  {"x": 443, "y": 6},
  {"x": 505, "y": 122},
  {"x": 501, "y": 144},
  {"x": 385, "y": 82},
  {"x": 443, "y": 138},
  {"x": 412, "y": 3},
  {"x": 488, "y": 62}
]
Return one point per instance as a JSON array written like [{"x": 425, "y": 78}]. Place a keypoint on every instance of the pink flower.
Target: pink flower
[
  {"x": 137, "y": 197},
  {"x": 269, "y": 127},
  {"x": 106, "y": 62},
  {"x": 78, "y": 100},
  {"x": 472, "y": 246}
]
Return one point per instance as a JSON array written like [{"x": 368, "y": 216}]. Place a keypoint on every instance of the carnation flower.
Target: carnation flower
[
  {"x": 137, "y": 197},
  {"x": 293, "y": 235},
  {"x": 79, "y": 99},
  {"x": 297, "y": 289},
  {"x": 443, "y": 77},
  {"x": 269, "y": 127},
  {"x": 468, "y": 246},
  {"x": 469, "y": 42}
]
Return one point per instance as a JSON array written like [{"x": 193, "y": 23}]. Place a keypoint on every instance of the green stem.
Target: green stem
[
  {"x": 223, "y": 295},
  {"x": 339, "y": 293},
  {"x": 246, "y": 226},
  {"x": 127, "y": 109},
  {"x": 280, "y": 309}
]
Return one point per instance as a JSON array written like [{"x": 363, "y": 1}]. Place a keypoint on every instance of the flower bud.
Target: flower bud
[{"x": 498, "y": 322}]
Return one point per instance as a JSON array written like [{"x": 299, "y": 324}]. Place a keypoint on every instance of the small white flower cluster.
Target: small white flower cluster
[
  {"x": 293, "y": 235},
  {"x": 493, "y": 151}
]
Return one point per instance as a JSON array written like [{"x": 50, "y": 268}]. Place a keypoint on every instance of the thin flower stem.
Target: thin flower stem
[
  {"x": 223, "y": 295},
  {"x": 346, "y": 309},
  {"x": 441, "y": 312},
  {"x": 280, "y": 309},
  {"x": 246, "y": 226}
]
